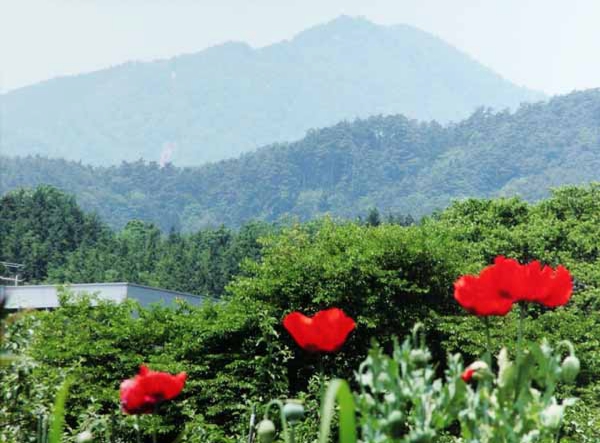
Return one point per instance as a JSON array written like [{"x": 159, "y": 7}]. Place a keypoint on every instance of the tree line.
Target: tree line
[{"x": 390, "y": 162}]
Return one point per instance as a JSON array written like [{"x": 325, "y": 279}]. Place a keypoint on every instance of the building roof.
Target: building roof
[{"x": 46, "y": 296}]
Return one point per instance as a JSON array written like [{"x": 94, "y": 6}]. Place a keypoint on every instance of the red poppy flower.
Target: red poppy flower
[
  {"x": 326, "y": 331},
  {"x": 472, "y": 369},
  {"x": 489, "y": 293},
  {"x": 546, "y": 286},
  {"x": 467, "y": 375},
  {"x": 498, "y": 286},
  {"x": 141, "y": 394}
]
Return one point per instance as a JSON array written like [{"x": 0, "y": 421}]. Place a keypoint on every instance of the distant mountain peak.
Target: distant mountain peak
[
  {"x": 343, "y": 25},
  {"x": 231, "y": 98},
  {"x": 230, "y": 46}
]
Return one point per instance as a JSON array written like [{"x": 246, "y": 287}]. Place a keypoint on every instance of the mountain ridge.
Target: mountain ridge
[
  {"x": 400, "y": 165},
  {"x": 232, "y": 98}
]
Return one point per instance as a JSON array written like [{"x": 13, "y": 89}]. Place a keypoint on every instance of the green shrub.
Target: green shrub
[{"x": 230, "y": 351}]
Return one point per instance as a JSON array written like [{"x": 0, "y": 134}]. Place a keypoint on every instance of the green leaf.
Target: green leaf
[
  {"x": 340, "y": 391},
  {"x": 58, "y": 413}
]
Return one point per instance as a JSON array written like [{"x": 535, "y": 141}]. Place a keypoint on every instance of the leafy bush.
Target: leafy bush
[{"x": 230, "y": 352}]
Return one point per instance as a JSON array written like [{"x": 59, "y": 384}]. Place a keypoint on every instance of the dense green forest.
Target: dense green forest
[
  {"x": 46, "y": 231},
  {"x": 386, "y": 277},
  {"x": 398, "y": 165},
  {"x": 232, "y": 98}
]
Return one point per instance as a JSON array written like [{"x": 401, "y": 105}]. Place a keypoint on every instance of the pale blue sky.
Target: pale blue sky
[{"x": 549, "y": 45}]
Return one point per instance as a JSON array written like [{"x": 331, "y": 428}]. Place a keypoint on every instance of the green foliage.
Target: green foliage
[
  {"x": 58, "y": 243},
  {"x": 231, "y": 353},
  {"x": 38, "y": 228},
  {"x": 201, "y": 263},
  {"x": 236, "y": 353},
  {"x": 385, "y": 277},
  {"x": 338, "y": 391},
  {"x": 58, "y": 413},
  {"x": 400, "y": 398}
]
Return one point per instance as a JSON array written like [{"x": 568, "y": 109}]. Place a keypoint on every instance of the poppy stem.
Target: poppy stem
[
  {"x": 284, "y": 424},
  {"x": 520, "y": 333},
  {"x": 321, "y": 378},
  {"x": 519, "y": 356},
  {"x": 137, "y": 429},
  {"x": 487, "y": 356},
  {"x": 558, "y": 435},
  {"x": 154, "y": 427}
]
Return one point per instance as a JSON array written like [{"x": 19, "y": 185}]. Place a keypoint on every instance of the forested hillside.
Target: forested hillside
[
  {"x": 57, "y": 242},
  {"x": 398, "y": 165},
  {"x": 232, "y": 98}
]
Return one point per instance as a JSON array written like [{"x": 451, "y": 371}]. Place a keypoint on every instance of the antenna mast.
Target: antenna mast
[{"x": 13, "y": 268}]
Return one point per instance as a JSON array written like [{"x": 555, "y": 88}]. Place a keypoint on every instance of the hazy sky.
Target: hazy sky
[{"x": 549, "y": 45}]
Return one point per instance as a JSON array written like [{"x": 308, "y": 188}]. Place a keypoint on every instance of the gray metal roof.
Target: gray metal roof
[{"x": 46, "y": 296}]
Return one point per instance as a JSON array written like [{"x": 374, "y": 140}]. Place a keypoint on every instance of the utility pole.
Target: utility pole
[{"x": 13, "y": 268}]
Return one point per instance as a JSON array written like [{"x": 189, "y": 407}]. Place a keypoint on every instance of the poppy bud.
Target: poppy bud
[
  {"x": 390, "y": 397},
  {"x": 506, "y": 369},
  {"x": 570, "y": 368},
  {"x": 369, "y": 400},
  {"x": 395, "y": 424},
  {"x": 366, "y": 379},
  {"x": 474, "y": 369},
  {"x": 293, "y": 412},
  {"x": 265, "y": 431},
  {"x": 551, "y": 417},
  {"x": 420, "y": 356},
  {"x": 84, "y": 436},
  {"x": 383, "y": 378}
]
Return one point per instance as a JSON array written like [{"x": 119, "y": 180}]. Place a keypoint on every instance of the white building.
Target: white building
[{"x": 46, "y": 296}]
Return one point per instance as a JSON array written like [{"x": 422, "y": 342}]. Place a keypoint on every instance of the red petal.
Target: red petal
[
  {"x": 467, "y": 375},
  {"x": 480, "y": 295},
  {"x": 333, "y": 327},
  {"x": 559, "y": 288},
  {"x": 162, "y": 385},
  {"x": 132, "y": 396},
  {"x": 141, "y": 394},
  {"x": 300, "y": 328},
  {"x": 325, "y": 332},
  {"x": 174, "y": 385}
]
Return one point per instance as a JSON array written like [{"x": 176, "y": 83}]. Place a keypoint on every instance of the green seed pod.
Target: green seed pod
[
  {"x": 570, "y": 368},
  {"x": 83, "y": 437},
  {"x": 293, "y": 412},
  {"x": 265, "y": 431},
  {"x": 506, "y": 375},
  {"x": 383, "y": 378},
  {"x": 551, "y": 417},
  {"x": 395, "y": 424},
  {"x": 369, "y": 400},
  {"x": 420, "y": 356}
]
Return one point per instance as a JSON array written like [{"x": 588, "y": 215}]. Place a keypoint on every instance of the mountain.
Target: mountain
[
  {"x": 399, "y": 165},
  {"x": 230, "y": 99}
]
